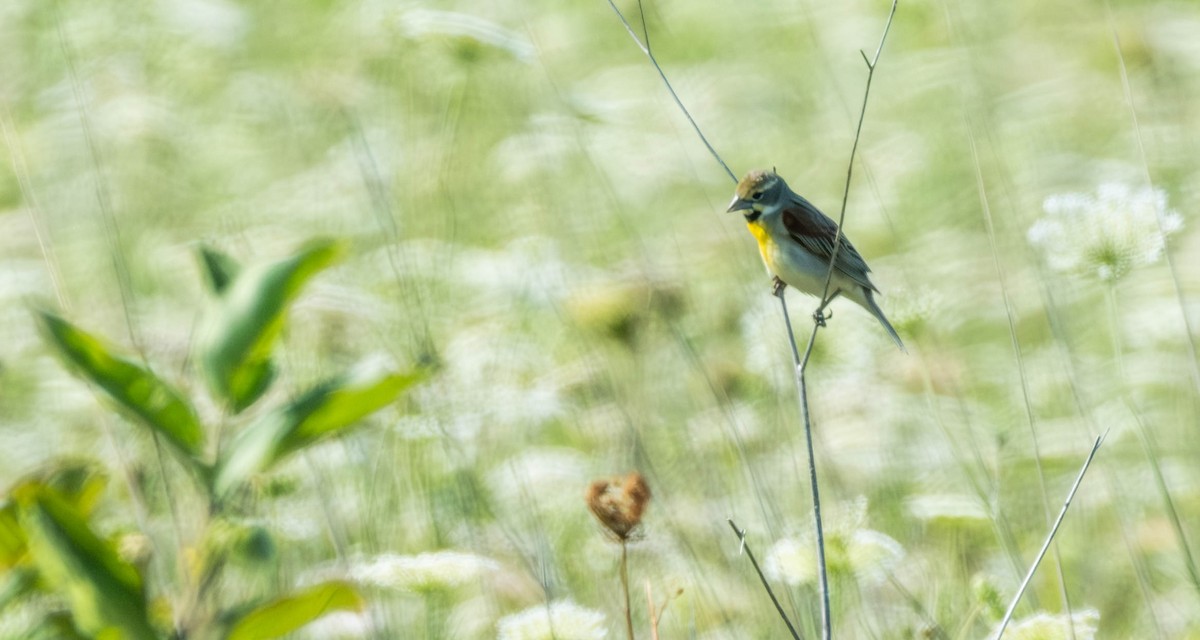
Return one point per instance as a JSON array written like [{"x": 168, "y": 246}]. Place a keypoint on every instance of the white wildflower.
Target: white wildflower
[
  {"x": 945, "y": 506},
  {"x": 873, "y": 555},
  {"x": 419, "y": 23},
  {"x": 792, "y": 561},
  {"x": 850, "y": 547},
  {"x": 423, "y": 572},
  {"x": 560, "y": 620},
  {"x": 1046, "y": 626},
  {"x": 1106, "y": 233},
  {"x": 340, "y": 625}
]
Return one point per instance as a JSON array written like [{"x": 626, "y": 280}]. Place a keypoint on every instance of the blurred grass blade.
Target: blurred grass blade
[
  {"x": 220, "y": 268},
  {"x": 329, "y": 408},
  {"x": 105, "y": 594},
  {"x": 235, "y": 343},
  {"x": 287, "y": 614},
  {"x": 135, "y": 388}
]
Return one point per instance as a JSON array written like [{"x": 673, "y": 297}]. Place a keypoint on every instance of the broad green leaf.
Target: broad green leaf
[
  {"x": 287, "y": 614},
  {"x": 235, "y": 342},
  {"x": 219, "y": 268},
  {"x": 105, "y": 594},
  {"x": 135, "y": 388},
  {"x": 329, "y": 408}
]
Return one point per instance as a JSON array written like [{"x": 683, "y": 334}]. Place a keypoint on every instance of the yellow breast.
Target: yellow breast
[{"x": 765, "y": 243}]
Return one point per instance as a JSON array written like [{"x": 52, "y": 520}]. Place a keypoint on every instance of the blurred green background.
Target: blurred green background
[{"x": 528, "y": 209}]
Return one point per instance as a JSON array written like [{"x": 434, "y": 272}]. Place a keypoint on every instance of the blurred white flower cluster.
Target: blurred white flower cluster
[
  {"x": 423, "y": 572},
  {"x": 560, "y": 620},
  {"x": 850, "y": 548},
  {"x": 1106, "y": 233},
  {"x": 1046, "y": 626}
]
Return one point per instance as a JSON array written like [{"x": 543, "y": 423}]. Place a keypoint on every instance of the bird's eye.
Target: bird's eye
[{"x": 757, "y": 195}]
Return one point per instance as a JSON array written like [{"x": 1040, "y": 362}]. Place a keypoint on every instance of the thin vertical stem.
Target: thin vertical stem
[
  {"x": 625, "y": 587},
  {"x": 1012, "y": 606}
]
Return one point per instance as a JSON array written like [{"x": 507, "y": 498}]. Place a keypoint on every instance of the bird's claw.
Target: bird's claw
[
  {"x": 819, "y": 317},
  {"x": 777, "y": 287}
]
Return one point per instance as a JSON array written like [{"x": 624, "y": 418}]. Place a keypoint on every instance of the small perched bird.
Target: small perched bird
[{"x": 796, "y": 242}]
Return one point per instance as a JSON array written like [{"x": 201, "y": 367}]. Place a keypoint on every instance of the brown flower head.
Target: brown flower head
[{"x": 619, "y": 503}]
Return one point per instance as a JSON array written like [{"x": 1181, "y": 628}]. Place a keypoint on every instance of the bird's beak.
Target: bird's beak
[{"x": 739, "y": 204}]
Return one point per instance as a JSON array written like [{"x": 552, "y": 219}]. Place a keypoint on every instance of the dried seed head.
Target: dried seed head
[{"x": 619, "y": 503}]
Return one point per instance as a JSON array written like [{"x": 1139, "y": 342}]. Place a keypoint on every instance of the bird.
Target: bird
[{"x": 796, "y": 241}]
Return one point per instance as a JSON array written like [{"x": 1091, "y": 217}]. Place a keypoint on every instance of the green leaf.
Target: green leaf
[
  {"x": 80, "y": 483},
  {"x": 219, "y": 267},
  {"x": 105, "y": 594},
  {"x": 289, "y": 613},
  {"x": 329, "y": 408},
  {"x": 135, "y": 388},
  {"x": 235, "y": 342},
  {"x": 12, "y": 537}
]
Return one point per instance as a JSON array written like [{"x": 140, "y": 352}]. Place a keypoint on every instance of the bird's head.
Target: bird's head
[{"x": 758, "y": 190}]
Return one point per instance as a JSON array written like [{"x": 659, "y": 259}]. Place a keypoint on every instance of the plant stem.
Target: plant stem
[{"x": 625, "y": 587}]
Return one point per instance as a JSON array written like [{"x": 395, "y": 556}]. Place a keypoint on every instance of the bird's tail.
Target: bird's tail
[{"x": 878, "y": 313}]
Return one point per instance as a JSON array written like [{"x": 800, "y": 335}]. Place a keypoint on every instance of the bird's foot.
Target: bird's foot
[
  {"x": 820, "y": 316},
  {"x": 777, "y": 287}
]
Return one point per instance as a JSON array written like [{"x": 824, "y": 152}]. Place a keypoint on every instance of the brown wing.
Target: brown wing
[{"x": 815, "y": 231}]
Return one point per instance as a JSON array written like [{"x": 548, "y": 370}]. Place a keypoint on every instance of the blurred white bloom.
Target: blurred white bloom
[
  {"x": 1105, "y": 233},
  {"x": 766, "y": 355},
  {"x": 340, "y": 625},
  {"x": 849, "y": 547},
  {"x": 520, "y": 483},
  {"x": 948, "y": 506},
  {"x": 216, "y": 23},
  {"x": 560, "y": 620},
  {"x": 792, "y": 560},
  {"x": 873, "y": 555},
  {"x": 870, "y": 555},
  {"x": 423, "y": 572},
  {"x": 428, "y": 22},
  {"x": 1046, "y": 626}
]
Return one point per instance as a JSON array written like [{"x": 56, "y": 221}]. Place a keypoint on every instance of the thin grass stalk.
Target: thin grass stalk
[
  {"x": 801, "y": 365},
  {"x": 1137, "y": 131},
  {"x": 986, "y": 209},
  {"x": 1012, "y": 606},
  {"x": 862, "y": 116},
  {"x": 645, "y": 47},
  {"x": 741, "y": 534},
  {"x": 625, "y": 587},
  {"x": 1144, "y": 439}
]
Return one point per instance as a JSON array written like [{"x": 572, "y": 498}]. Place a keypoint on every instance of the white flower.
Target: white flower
[
  {"x": 945, "y": 506},
  {"x": 1106, "y": 233},
  {"x": 873, "y": 555},
  {"x": 1046, "y": 626},
  {"x": 340, "y": 625},
  {"x": 792, "y": 560},
  {"x": 850, "y": 547},
  {"x": 560, "y": 620},
  {"x": 423, "y": 572}
]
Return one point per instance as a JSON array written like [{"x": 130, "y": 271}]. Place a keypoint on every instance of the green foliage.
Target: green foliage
[
  {"x": 234, "y": 345},
  {"x": 325, "y": 410},
  {"x": 282, "y": 616},
  {"x": 219, "y": 268},
  {"x": 135, "y": 388},
  {"x": 106, "y": 595},
  {"x": 48, "y": 545}
]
